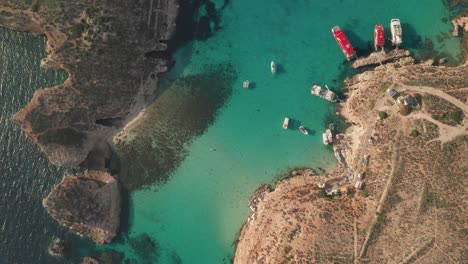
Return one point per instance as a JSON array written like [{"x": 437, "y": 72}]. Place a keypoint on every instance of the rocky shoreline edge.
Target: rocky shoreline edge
[
  {"x": 289, "y": 222},
  {"x": 113, "y": 54}
]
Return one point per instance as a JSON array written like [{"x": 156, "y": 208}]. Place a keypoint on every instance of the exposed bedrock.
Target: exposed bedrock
[
  {"x": 380, "y": 57},
  {"x": 458, "y": 22},
  {"x": 88, "y": 204},
  {"x": 112, "y": 51}
]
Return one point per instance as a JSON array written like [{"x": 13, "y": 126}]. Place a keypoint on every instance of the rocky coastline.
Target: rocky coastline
[
  {"x": 88, "y": 204},
  {"x": 294, "y": 223},
  {"x": 113, "y": 52}
]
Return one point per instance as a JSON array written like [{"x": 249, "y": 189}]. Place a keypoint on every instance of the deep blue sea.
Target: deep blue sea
[{"x": 195, "y": 214}]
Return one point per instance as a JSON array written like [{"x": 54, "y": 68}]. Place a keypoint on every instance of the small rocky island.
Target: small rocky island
[
  {"x": 88, "y": 203},
  {"x": 113, "y": 51}
]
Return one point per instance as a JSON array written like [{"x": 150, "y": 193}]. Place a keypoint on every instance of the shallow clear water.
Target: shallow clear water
[
  {"x": 195, "y": 216},
  {"x": 198, "y": 212}
]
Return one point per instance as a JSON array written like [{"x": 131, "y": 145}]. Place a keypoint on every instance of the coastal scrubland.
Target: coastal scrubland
[{"x": 412, "y": 206}]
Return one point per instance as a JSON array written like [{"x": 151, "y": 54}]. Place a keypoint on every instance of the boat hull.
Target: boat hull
[
  {"x": 286, "y": 123},
  {"x": 303, "y": 130},
  {"x": 379, "y": 36},
  {"x": 344, "y": 43},
  {"x": 325, "y": 139},
  {"x": 273, "y": 67},
  {"x": 397, "y": 33}
]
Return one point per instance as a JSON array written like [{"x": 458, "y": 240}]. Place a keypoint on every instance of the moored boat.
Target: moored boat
[
  {"x": 329, "y": 135},
  {"x": 323, "y": 93},
  {"x": 343, "y": 42},
  {"x": 379, "y": 36},
  {"x": 303, "y": 130},
  {"x": 273, "y": 67},
  {"x": 325, "y": 138},
  {"x": 246, "y": 84},
  {"x": 397, "y": 33},
  {"x": 286, "y": 123}
]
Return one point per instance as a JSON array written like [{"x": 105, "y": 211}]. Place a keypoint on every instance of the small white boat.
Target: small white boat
[
  {"x": 273, "y": 67},
  {"x": 286, "y": 123},
  {"x": 325, "y": 138},
  {"x": 395, "y": 28},
  {"x": 303, "y": 130},
  {"x": 329, "y": 135},
  {"x": 246, "y": 84}
]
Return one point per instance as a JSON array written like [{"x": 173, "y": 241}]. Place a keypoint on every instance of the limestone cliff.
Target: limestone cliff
[
  {"x": 87, "y": 203},
  {"x": 112, "y": 50}
]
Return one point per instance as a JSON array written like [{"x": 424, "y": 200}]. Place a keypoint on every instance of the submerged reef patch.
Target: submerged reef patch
[
  {"x": 146, "y": 248},
  {"x": 154, "y": 149}
]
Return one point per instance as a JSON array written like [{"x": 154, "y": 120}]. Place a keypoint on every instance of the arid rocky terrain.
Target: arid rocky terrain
[
  {"x": 412, "y": 206},
  {"x": 113, "y": 52}
]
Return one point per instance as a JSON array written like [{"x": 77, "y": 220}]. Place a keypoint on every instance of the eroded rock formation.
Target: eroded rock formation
[
  {"x": 88, "y": 203},
  {"x": 458, "y": 22},
  {"x": 112, "y": 51}
]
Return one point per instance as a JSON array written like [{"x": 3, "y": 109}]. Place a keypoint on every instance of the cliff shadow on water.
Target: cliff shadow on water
[{"x": 154, "y": 149}]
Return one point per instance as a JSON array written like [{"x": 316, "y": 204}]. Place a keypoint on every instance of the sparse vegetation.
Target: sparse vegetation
[
  {"x": 322, "y": 193},
  {"x": 414, "y": 133},
  {"x": 382, "y": 115}
]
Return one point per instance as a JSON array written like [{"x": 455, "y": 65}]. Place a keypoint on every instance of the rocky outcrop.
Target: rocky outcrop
[
  {"x": 88, "y": 204},
  {"x": 112, "y": 51},
  {"x": 89, "y": 260},
  {"x": 56, "y": 247},
  {"x": 380, "y": 57},
  {"x": 460, "y": 22}
]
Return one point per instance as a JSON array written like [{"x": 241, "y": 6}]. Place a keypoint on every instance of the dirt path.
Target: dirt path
[
  {"x": 437, "y": 92},
  {"x": 383, "y": 198},
  {"x": 446, "y": 132}
]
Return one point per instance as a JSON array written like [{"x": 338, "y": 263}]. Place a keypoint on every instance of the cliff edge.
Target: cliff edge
[{"x": 112, "y": 51}]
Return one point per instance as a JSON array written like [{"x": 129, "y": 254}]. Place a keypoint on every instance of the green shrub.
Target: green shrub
[
  {"x": 322, "y": 193},
  {"x": 382, "y": 115},
  {"x": 77, "y": 30},
  {"x": 456, "y": 116},
  {"x": 418, "y": 97},
  {"x": 414, "y": 133},
  {"x": 35, "y": 6}
]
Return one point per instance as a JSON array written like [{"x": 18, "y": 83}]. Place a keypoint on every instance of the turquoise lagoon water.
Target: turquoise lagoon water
[{"x": 195, "y": 216}]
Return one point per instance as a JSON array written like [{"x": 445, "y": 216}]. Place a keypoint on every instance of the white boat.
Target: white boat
[
  {"x": 397, "y": 33},
  {"x": 246, "y": 84},
  {"x": 286, "y": 123},
  {"x": 325, "y": 138},
  {"x": 329, "y": 135},
  {"x": 273, "y": 67},
  {"x": 323, "y": 93},
  {"x": 303, "y": 130}
]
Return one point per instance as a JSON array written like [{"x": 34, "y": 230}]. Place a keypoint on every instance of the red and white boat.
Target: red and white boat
[
  {"x": 379, "y": 36},
  {"x": 303, "y": 130},
  {"x": 286, "y": 123},
  {"x": 343, "y": 42}
]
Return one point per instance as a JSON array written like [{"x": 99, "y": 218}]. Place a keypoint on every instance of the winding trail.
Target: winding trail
[{"x": 438, "y": 92}]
